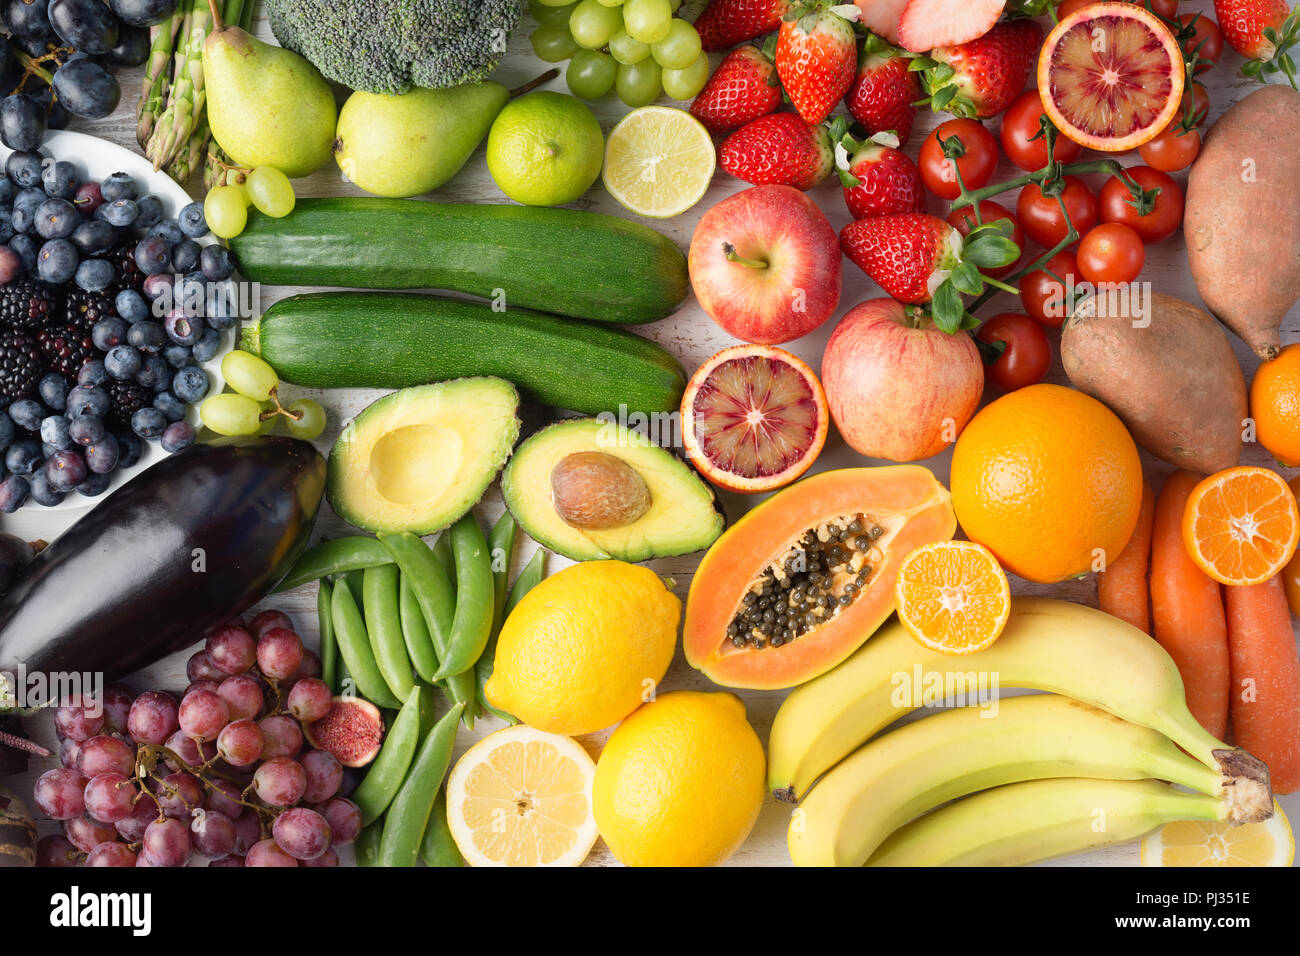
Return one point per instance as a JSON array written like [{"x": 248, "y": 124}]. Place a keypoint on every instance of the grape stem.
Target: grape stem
[{"x": 266, "y": 416}]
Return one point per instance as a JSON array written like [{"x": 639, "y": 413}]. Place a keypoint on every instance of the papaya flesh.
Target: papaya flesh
[{"x": 767, "y": 606}]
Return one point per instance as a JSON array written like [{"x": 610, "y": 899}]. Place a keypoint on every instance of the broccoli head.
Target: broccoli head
[{"x": 389, "y": 46}]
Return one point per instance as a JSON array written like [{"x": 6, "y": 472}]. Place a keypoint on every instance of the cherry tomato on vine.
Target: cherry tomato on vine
[
  {"x": 1161, "y": 8},
  {"x": 963, "y": 220},
  {"x": 1208, "y": 37},
  {"x": 1041, "y": 217},
  {"x": 1028, "y": 353},
  {"x": 1172, "y": 150},
  {"x": 1111, "y": 252},
  {"x": 1165, "y": 216},
  {"x": 976, "y": 166},
  {"x": 1020, "y": 124},
  {"x": 1043, "y": 296}
]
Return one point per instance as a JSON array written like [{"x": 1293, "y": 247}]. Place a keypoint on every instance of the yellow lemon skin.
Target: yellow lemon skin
[
  {"x": 680, "y": 782},
  {"x": 585, "y": 647}
]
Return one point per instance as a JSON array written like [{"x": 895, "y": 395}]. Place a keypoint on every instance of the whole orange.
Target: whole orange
[
  {"x": 1048, "y": 479},
  {"x": 1275, "y": 405}
]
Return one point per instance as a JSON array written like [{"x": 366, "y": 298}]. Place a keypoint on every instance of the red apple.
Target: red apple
[
  {"x": 765, "y": 264},
  {"x": 897, "y": 389}
]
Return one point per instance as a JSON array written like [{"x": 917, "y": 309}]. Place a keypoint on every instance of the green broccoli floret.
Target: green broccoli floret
[{"x": 388, "y": 46}]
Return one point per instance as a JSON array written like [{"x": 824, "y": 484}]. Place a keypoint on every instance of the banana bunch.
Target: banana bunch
[{"x": 1115, "y": 712}]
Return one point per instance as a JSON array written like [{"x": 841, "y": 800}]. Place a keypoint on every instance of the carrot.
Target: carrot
[
  {"x": 1265, "y": 679},
  {"x": 1187, "y": 610},
  {"x": 1122, "y": 587}
]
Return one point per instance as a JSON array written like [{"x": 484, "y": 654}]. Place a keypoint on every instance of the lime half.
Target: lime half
[{"x": 658, "y": 161}]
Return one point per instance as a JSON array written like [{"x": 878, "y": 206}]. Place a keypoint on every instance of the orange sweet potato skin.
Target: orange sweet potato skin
[
  {"x": 1174, "y": 382},
  {"x": 1243, "y": 234}
]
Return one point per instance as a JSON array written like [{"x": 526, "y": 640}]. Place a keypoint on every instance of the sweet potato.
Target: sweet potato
[
  {"x": 1167, "y": 370},
  {"x": 1243, "y": 234}
]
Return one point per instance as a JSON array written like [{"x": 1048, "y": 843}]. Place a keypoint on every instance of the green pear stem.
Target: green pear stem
[
  {"x": 730, "y": 252},
  {"x": 217, "y": 22}
]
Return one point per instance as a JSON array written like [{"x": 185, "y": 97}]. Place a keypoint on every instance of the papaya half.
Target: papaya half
[{"x": 802, "y": 580}]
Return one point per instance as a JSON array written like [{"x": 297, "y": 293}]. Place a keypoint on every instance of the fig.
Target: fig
[{"x": 352, "y": 731}]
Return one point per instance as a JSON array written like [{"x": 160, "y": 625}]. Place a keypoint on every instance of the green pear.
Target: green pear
[
  {"x": 267, "y": 106},
  {"x": 402, "y": 146}
]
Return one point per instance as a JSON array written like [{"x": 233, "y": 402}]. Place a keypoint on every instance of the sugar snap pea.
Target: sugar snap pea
[
  {"x": 329, "y": 648},
  {"x": 441, "y": 549},
  {"x": 408, "y": 814},
  {"x": 415, "y": 631},
  {"x": 501, "y": 548},
  {"x": 472, "y": 625},
  {"x": 438, "y": 847},
  {"x": 366, "y": 845},
  {"x": 354, "y": 553},
  {"x": 354, "y": 648},
  {"x": 531, "y": 576},
  {"x": 386, "y": 773},
  {"x": 384, "y": 624}
]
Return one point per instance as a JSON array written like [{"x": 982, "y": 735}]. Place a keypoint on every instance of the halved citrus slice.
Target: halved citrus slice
[
  {"x": 1111, "y": 76},
  {"x": 1211, "y": 843},
  {"x": 522, "y": 797},
  {"x": 754, "y": 418},
  {"x": 1241, "y": 525},
  {"x": 953, "y": 596},
  {"x": 658, "y": 161}
]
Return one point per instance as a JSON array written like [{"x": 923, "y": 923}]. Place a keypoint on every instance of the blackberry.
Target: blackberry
[
  {"x": 125, "y": 268},
  {"x": 82, "y": 309},
  {"x": 20, "y": 364},
  {"x": 27, "y": 304},
  {"x": 66, "y": 348},
  {"x": 125, "y": 399}
]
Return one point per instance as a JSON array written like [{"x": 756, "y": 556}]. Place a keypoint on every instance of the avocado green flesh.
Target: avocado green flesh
[
  {"x": 418, "y": 459},
  {"x": 682, "y": 517}
]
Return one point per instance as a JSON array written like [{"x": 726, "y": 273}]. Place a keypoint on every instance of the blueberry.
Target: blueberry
[
  {"x": 157, "y": 287},
  {"x": 25, "y": 249},
  {"x": 169, "y": 231},
  {"x": 43, "y": 492},
  {"x": 24, "y": 456},
  {"x": 55, "y": 431},
  {"x": 27, "y": 414},
  {"x": 122, "y": 362},
  {"x": 94, "y": 238},
  {"x": 13, "y": 493},
  {"x": 7, "y": 431},
  {"x": 86, "y": 429},
  {"x": 6, "y": 222},
  {"x": 60, "y": 179},
  {"x": 216, "y": 262},
  {"x": 117, "y": 186},
  {"x": 183, "y": 329},
  {"x": 185, "y": 255},
  {"x": 24, "y": 167},
  {"x": 151, "y": 211},
  {"x": 94, "y": 485},
  {"x": 47, "y": 449},
  {"x": 153, "y": 255},
  {"x": 130, "y": 448},
  {"x": 94, "y": 275},
  {"x": 102, "y": 456},
  {"x": 177, "y": 435},
  {"x": 131, "y": 306},
  {"x": 108, "y": 332},
  {"x": 154, "y": 373},
  {"x": 88, "y": 400},
  {"x": 66, "y": 469},
  {"x": 190, "y": 384},
  {"x": 56, "y": 219},
  {"x": 148, "y": 336},
  {"x": 56, "y": 262},
  {"x": 177, "y": 356},
  {"x": 208, "y": 345},
  {"x": 119, "y": 212},
  {"x": 7, "y": 192},
  {"x": 148, "y": 423},
  {"x": 171, "y": 406},
  {"x": 22, "y": 219},
  {"x": 92, "y": 373},
  {"x": 53, "y": 391}
]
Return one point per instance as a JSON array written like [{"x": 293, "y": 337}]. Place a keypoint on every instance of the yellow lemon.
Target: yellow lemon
[
  {"x": 585, "y": 647},
  {"x": 680, "y": 782}
]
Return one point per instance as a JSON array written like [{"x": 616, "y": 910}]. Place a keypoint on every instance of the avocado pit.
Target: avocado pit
[{"x": 594, "y": 490}]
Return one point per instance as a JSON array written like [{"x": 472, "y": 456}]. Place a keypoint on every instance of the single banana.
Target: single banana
[
  {"x": 1039, "y": 819},
  {"x": 909, "y": 771},
  {"x": 1047, "y": 645}
]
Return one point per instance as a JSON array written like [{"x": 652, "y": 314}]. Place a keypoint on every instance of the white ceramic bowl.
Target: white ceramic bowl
[{"x": 95, "y": 159}]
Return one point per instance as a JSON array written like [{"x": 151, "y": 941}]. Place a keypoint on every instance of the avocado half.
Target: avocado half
[
  {"x": 682, "y": 516},
  {"x": 418, "y": 459}
]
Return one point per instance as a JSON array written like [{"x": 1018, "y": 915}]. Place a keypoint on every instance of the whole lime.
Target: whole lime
[{"x": 545, "y": 149}]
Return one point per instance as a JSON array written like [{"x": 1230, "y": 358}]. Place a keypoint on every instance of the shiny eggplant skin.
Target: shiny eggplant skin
[{"x": 180, "y": 548}]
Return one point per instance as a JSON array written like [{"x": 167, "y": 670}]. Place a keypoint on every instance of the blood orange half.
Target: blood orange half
[
  {"x": 753, "y": 418},
  {"x": 1111, "y": 76}
]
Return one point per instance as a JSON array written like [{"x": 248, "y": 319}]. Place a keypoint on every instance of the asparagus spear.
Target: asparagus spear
[
  {"x": 177, "y": 121},
  {"x": 157, "y": 78}
]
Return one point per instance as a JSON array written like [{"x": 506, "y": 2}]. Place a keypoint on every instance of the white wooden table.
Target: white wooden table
[{"x": 692, "y": 337}]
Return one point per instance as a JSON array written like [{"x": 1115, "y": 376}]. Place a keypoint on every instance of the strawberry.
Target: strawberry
[
  {"x": 979, "y": 79},
  {"x": 927, "y": 24},
  {"x": 1262, "y": 31},
  {"x": 880, "y": 181},
  {"x": 908, "y": 255},
  {"x": 816, "y": 55},
  {"x": 884, "y": 90},
  {"x": 882, "y": 17},
  {"x": 778, "y": 148},
  {"x": 742, "y": 88},
  {"x": 724, "y": 23}
]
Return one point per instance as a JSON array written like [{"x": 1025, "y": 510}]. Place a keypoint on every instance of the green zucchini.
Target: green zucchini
[
  {"x": 582, "y": 264},
  {"x": 389, "y": 340}
]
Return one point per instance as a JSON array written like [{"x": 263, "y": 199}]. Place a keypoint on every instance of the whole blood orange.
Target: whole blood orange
[
  {"x": 1048, "y": 479},
  {"x": 1111, "y": 76}
]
